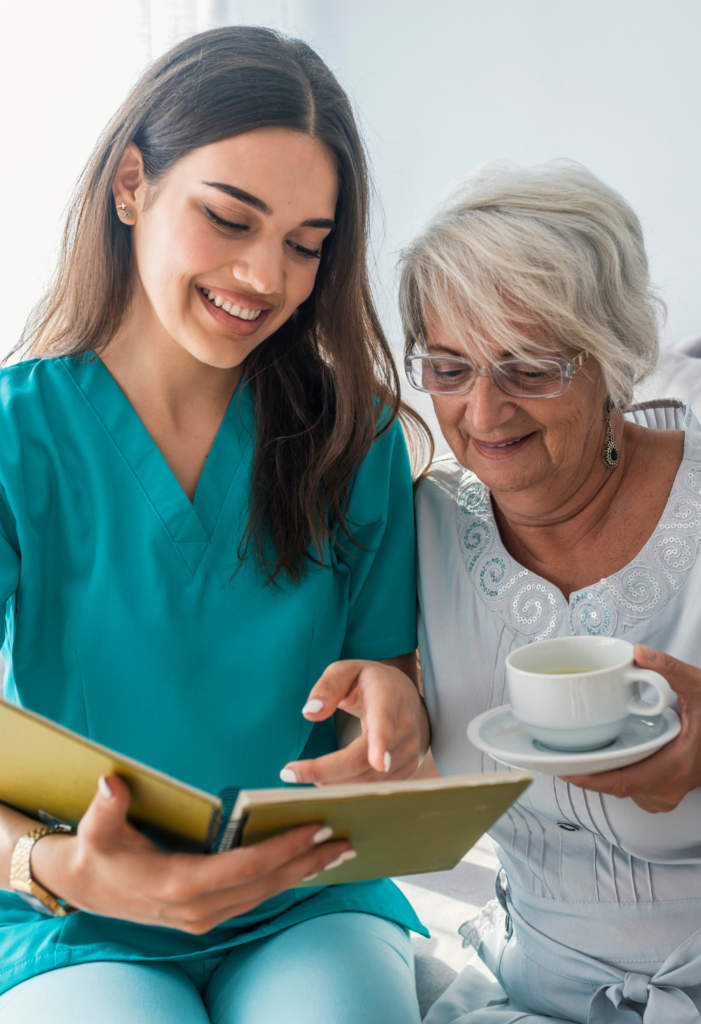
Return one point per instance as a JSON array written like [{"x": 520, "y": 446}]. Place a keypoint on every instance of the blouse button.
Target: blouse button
[{"x": 566, "y": 826}]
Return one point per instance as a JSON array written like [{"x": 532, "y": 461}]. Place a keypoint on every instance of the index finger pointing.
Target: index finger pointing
[{"x": 380, "y": 711}]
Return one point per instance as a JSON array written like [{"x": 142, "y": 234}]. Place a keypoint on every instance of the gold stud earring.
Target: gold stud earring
[
  {"x": 123, "y": 212},
  {"x": 609, "y": 454}
]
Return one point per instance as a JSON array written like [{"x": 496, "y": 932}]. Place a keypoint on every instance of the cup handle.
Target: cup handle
[{"x": 664, "y": 691}]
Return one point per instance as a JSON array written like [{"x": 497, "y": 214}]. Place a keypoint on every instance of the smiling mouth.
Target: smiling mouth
[
  {"x": 501, "y": 448},
  {"x": 232, "y": 308},
  {"x": 503, "y": 444}
]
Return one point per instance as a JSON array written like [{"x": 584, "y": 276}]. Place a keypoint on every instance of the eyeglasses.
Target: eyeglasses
[{"x": 448, "y": 375}]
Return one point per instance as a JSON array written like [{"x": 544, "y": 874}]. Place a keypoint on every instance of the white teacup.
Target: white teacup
[{"x": 576, "y": 693}]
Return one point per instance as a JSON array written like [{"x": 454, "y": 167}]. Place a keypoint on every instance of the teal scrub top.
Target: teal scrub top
[{"x": 126, "y": 621}]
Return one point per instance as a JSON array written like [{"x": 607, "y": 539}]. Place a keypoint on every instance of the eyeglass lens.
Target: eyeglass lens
[{"x": 441, "y": 376}]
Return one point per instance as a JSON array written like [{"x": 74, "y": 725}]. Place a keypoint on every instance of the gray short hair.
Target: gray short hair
[{"x": 542, "y": 256}]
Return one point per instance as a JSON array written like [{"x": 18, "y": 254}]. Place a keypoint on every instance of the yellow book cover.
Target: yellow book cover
[
  {"x": 48, "y": 770},
  {"x": 397, "y": 828}
]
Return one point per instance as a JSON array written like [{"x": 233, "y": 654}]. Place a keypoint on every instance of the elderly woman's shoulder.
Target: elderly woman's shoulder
[{"x": 440, "y": 485}]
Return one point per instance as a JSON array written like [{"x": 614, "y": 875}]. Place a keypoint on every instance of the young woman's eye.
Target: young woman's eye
[
  {"x": 220, "y": 222},
  {"x": 306, "y": 254}
]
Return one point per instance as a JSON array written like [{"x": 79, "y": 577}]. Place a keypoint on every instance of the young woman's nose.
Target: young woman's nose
[
  {"x": 261, "y": 269},
  {"x": 487, "y": 407}
]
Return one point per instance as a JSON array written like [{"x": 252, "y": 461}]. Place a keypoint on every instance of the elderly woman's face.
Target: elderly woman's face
[{"x": 518, "y": 444}]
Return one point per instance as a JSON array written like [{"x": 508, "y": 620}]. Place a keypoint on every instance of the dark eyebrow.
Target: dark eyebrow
[
  {"x": 243, "y": 197},
  {"x": 258, "y": 204},
  {"x": 319, "y": 222}
]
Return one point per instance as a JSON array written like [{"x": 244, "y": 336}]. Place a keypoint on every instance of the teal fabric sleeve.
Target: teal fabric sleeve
[
  {"x": 9, "y": 562},
  {"x": 381, "y": 562}
]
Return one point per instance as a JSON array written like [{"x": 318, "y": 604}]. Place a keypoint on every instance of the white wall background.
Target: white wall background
[{"x": 440, "y": 86}]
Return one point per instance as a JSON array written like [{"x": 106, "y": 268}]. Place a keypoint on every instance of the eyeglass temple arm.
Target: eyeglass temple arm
[{"x": 578, "y": 362}]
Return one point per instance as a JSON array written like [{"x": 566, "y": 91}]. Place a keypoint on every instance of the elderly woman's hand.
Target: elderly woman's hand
[
  {"x": 660, "y": 782},
  {"x": 384, "y": 696}
]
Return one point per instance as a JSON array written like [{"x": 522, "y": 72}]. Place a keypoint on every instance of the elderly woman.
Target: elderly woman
[{"x": 564, "y": 510}]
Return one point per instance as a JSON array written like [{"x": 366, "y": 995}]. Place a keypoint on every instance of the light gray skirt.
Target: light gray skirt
[{"x": 537, "y": 980}]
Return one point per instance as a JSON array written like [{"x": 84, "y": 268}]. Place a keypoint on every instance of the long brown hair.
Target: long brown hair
[{"x": 325, "y": 383}]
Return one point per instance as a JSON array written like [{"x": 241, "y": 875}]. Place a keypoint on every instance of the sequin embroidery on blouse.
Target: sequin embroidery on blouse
[
  {"x": 533, "y": 606},
  {"x": 537, "y": 610}
]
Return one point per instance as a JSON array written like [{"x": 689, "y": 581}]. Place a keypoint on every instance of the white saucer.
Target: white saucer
[{"x": 501, "y": 736}]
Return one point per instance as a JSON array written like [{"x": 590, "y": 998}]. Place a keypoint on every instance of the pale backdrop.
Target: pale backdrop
[{"x": 440, "y": 86}]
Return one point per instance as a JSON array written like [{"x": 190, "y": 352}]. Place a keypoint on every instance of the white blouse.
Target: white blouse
[{"x": 590, "y": 871}]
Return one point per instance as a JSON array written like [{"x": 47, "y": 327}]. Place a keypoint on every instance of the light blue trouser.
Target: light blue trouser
[{"x": 339, "y": 969}]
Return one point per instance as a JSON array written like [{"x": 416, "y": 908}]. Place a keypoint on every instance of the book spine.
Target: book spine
[
  {"x": 213, "y": 831},
  {"x": 222, "y": 834},
  {"x": 231, "y": 836}
]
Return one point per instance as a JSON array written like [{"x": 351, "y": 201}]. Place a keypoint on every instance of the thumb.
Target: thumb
[
  {"x": 332, "y": 687},
  {"x": 680, "y": 676},
  {"x": 107, "y": 814},
  {"x": 645, "y": 657}
]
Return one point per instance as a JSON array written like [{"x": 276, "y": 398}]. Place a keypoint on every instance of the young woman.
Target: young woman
[{"x": 206, "y": 502}]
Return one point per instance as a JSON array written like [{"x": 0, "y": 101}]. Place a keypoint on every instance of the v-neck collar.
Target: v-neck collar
[{"x": 190, "y": 524}]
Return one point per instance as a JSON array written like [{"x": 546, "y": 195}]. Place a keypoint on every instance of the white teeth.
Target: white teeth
[{"x": 233, "y": 309}]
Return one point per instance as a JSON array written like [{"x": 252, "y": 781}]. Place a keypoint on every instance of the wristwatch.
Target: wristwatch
[{"x": 21, "y": 880}]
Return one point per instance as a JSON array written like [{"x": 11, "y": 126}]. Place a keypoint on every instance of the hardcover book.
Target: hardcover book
[{"x": 397, "y": 828}]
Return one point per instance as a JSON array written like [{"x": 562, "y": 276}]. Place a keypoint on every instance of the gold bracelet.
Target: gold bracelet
[{"x": 21, "y": 880}]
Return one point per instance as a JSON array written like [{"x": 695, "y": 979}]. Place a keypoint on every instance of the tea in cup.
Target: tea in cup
[{"x": 577, "y": 693}]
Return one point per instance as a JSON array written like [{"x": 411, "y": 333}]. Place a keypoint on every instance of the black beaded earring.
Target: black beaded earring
[{"x": 609, "y": 454}]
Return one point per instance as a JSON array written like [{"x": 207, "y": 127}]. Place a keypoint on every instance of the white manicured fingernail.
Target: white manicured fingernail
[
  {"x": 322, "y": 835},
  {"x": 287, "y": 775},
  {"x": 308, "y": 878},
  {"x": 348, "y": 855},
  {"x": 104, "y": 787},
  {"x": 388, "y": 760},
  {"x": 312, "y": 706}
]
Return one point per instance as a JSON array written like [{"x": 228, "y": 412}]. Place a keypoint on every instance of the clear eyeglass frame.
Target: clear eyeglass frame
[{"x": 503, "y": 374}]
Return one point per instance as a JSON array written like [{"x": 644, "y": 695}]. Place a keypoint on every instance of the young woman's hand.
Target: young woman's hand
[
  {"x": 110, "y": 869},
  {"x": 659, "y": 783},
  {"x": 384, "y": 696}
]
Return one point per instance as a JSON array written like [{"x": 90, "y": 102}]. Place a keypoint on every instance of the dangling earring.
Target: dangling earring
[
  {"x": 609, "y": 454},
  {"x": 123, "y": 211}
]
